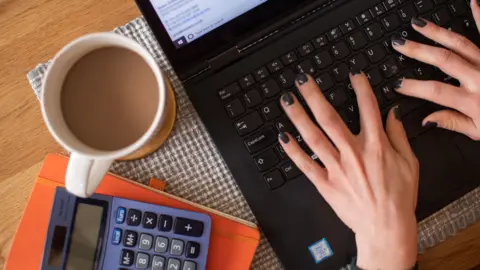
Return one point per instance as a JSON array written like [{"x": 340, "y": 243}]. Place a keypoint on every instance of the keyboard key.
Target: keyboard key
[
  {"x": 260, "y": 140},
  {"x": 423, "y": 72},
  {"x": 246, "y": 81},
  {"x": 165, "y": 223},
  {"x": 405, "y": 62},
  {"x": 177, "y": 247},
  {"x": 387, "y": 44},
  {"x": 283, "y": 124},
  {"x": 324, "y": 81},
  {"x": 252, "y": 98},
  {"x": 337, "y": 96},
  {"x": 146, "y": 241},
  {"x": 130, "y": 238},
  {"x": 188, "y": 227},
  {"x": 374, "y": 76},
  {"x": 376, "y": 53},
  {"x": 161, "y": 244},
  {"x": 158, "y": 263},
  {"x": 192, "y": 250},
  {"x": 388, "y": 92},
  {"x": 320, "y": 41},
  {"x": 126, "y": 257},
  {"x": 341, "y": 72},
  {"x": 270, "y": 88},
  {"x": 290, "y": 170},
  {"x": 275, "y": 66},
  {"x": 347, "y": 27},
  {"x": 378, "y": 10},
  {"x": 266, "y": 160},
  {"x": 357, "y": 40},
  {"x": 287, "y": 78},
  {"x": 389, "y": 4},
  {"x": 189, "y": 265},
  {"x": 340, "y": 50},
  {"x": 142, "y": 261},
  {"x": 358, "y": 62},
  {"x": 261, "y": 73},
  {"x": 306, "y": 67},
  {"x": 334, "y": 34},
  {"x": 306, "y": 49},
  {"x": 274, "y": 179},
  {"x": 117, "y": 236},
  {"x": 271, "y": 111},
  {"x": 249, "y": 123},
  {"x": 439, "y": 1},
  {"x": 323, "y": 59},
  {"x": 407, "y": 13},
  {"x": 235, "y": 108},
  {"x": 442, "y": 17},
  {"x": 149, "y": 220},
  {"x": 289, "y": 58},
  {"x": 134, "y": 217},
  {"x": 120, "y": 217},
  {"x": 423, "y": 6},
  {"x": 458, "y": 8},
  {"x": 281, "y": 152},
  {"x": 229, "y": 91},
  {"x": 374, "y": 31},
  {"x": 390, "y": 22},
  {"x": 173, "y": 264},
  {"x": 389, "y": 68},
  {"x": 380, "y": 100},
  {"x": 350, "y": 114},
  {"x": 364, "y": 17}
]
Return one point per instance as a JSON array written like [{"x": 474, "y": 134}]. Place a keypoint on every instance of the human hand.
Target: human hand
[
  {"x": 461, "y": 60},
  {"x": 370, "y": 180}
]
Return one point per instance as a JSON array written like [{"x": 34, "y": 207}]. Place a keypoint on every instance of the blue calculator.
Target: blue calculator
[{"x": 104, "y": 232}]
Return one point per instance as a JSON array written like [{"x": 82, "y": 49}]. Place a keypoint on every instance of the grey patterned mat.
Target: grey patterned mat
[{"x": 194, "y": 169}]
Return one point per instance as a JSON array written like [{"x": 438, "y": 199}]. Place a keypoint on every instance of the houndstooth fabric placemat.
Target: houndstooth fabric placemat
[{"x": 194, "y": 169}]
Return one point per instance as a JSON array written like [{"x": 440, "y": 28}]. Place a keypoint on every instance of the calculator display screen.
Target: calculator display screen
[{"x": 86, "y": 236}]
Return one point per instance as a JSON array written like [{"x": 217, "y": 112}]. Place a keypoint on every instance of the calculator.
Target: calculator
[{"x": 104, "y": 232}]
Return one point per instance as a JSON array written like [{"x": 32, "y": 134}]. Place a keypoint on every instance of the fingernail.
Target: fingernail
[
  {"x": 419, "y": 22},
  {"x": 397, "y": 112},
  {"x": 431, "y": 124},
  {"x": 398, "y": 40},
  {"x": 283, "y": 137},
  {"x": 355, "y": 71},
  {"x": 398, "y": 84},
  {"x": 301, "y": 79},
  {"x": 288, "y": 99},
  {"x": 478, "y": 2}
]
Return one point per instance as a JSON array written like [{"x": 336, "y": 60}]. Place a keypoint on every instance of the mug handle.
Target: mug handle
[{"x": 85, "y": 174}]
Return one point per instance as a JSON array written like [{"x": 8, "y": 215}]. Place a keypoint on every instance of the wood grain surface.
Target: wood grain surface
[{"x": 32, "y": 31}]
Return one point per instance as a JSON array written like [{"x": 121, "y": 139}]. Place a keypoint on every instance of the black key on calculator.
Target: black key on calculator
[{"x": 188, "y": 227}]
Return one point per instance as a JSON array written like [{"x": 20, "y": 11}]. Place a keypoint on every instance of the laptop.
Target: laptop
[{"x": 236, "y": 58}]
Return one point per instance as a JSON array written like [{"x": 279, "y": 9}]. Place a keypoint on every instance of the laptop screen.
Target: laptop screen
[{"x": 188, "y": 20}]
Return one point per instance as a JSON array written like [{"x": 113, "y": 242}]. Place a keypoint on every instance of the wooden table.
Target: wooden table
[{"x": 31, "y": 32}]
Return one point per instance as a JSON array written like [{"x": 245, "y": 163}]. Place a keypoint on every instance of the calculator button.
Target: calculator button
[
  {"x": 165, "y": 223},
  {"x": 188, "y": 227},
  {"x": 173, "y": 264},
  {"x": 126, "y": 257},
  {"x": 120, "y": 218},
  {"x": 146, "y": 241},
  {"x": 130, "y": 238},
  {"x": 188, "y": 265},
  {"x": 149, "y": 220},
  {"x": 177, "y": 247},
  {"x": 192, "y": 250},
  {"x": 158, "y": 263},
  {"x": 142, "y": 261},
  {"x": 161, "y": 244},
  {"x": 117, "y": 236},
  {"x": 134, "y": 217}
]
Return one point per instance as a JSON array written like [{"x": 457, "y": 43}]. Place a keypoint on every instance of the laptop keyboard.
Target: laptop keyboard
[{"x": 363, "y": 42}]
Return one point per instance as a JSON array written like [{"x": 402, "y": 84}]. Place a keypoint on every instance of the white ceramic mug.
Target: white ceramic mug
[{"x": 88, "y": 166}]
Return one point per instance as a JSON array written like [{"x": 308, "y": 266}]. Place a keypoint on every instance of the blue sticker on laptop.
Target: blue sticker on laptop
[{"x": 320, "y": 250}]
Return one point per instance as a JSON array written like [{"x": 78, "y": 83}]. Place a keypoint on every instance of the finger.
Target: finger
[
  {"x": 448, "y": 61},
  {"x": 324, "y": 112},
  {"x": 456, "y": 42},
  {"x": 310, "y": 132},
  {"x": 476, "y": 12},
  {"x": 437, "y": 92},
  {"x": 453, "y": 121},
  {"x": 317, "y": 175},
  {"x": 397, "y": 135},
  {"x": 370, "y": 119}
]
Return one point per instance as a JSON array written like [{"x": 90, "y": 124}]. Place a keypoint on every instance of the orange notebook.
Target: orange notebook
[{"x": 232, "y": 243}]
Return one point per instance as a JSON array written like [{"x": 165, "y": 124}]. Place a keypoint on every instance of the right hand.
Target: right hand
[{"x": 461, "y": 60}]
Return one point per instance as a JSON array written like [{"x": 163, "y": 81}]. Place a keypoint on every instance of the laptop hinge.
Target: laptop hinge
[{"x": 224, "y": 59}]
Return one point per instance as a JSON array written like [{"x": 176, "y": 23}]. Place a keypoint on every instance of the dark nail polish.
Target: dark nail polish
[
  {"x": 398, "y": 40},
  {"x": 397, "y": 84},
  {"x": 283, "y": 137},
  {"x": 301, "y": 79},
  {"x": 478, "y": 2},
  {"x": 355, "y": 71},
  {"x": 397, "y": 112},
  {"x": 419, "y": 22},
  {"x": 431, "y": 125},
  {"x": 288, "y": 99}
]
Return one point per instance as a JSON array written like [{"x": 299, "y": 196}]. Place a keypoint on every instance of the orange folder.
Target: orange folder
[{"x": 232, "y": 243}]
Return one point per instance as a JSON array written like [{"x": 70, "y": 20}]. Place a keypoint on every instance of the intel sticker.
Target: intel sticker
[{"x": 320, "y": 250}]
